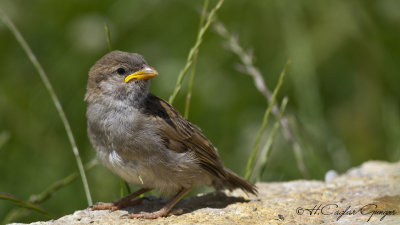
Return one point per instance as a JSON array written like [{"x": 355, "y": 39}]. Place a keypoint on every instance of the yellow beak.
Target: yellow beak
[{"x": 143, "y": 74}]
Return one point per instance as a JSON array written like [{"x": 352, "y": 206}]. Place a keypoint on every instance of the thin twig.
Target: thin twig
[
  {"x": 7, "y": 21},
  {"x": 248, "y": 68},
  {"x": 193, "y": 70},
  {"x": 265, "y": 121},
  {"x": 193, "y": 51}
]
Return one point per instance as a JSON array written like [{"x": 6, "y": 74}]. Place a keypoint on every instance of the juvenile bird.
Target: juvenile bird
[{"x": 144, "y": 140}]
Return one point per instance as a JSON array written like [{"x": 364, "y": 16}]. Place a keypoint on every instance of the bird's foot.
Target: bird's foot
[
  {"x": 113, "y": 206},
  {"x": 164, "y": 210}
]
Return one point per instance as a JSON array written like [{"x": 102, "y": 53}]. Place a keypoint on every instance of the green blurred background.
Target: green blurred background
[{"x": 342, "y": 84}]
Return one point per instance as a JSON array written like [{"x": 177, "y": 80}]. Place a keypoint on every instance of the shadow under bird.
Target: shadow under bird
[{"x": 144, "y": 140}]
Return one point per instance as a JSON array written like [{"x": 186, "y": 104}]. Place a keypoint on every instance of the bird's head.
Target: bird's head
[{"x": 119, "y": 76}]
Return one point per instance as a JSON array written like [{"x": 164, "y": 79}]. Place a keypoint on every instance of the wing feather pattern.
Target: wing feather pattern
[{"x": 180, "y": 135}]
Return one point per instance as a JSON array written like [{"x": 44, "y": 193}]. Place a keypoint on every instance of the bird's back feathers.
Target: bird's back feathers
[{"x": 179, "y": 135}]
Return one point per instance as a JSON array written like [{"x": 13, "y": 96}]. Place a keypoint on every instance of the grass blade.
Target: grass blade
[
  {"x": 247, "y": 67},
  {"x": 108, "y": 37},
  {"x": 265, "y": 121},
  {"x": 17, "y": 213},
  {"x": 193, "y": 51},
  {"x": 14, "y": 30},
  {"x": 61, "y": 183},
  {"x": 27, "y": 205},
  {"x": 193, "y": 70},
  {"x": 256, "y": 173}
]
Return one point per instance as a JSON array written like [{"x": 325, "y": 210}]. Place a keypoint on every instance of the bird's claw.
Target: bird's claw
[{"x": 114, "y": 206}]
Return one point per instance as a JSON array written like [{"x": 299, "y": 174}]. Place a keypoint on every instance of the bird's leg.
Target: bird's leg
[
  {"x": 122, "y": 203},
  {"x": 164, "y": 210}
]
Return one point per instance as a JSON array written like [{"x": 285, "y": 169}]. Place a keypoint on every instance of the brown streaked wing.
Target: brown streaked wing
[{"x": 180, "y": 135}]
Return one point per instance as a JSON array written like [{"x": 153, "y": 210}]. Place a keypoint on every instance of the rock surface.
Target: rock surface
[{"x": 374, "y": 186}]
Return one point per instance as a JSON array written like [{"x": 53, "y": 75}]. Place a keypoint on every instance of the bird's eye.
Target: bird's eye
[{"x": 121, "y": 71}]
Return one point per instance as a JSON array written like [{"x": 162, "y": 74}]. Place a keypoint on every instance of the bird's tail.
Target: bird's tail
[{"x": 233, "y": 181}]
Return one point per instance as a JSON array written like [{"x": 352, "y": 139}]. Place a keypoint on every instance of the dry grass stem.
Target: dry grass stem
[
  {"x": 250, "y": 162},
  {"x": 247, "y": 67}
]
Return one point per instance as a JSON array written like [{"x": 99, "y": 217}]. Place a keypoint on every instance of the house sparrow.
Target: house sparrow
[{"x": 144, "y": 140}]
